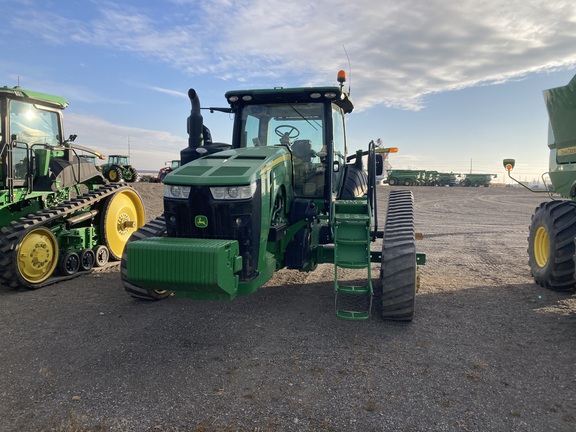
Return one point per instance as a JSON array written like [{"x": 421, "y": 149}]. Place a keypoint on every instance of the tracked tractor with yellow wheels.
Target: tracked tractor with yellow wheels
[
  {"x": 284, "y": 193},
  {"x": 551, "y": 247},
  {"x": 59, "y": 217}
]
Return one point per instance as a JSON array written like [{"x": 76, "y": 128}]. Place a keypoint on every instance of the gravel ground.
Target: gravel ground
[{"x": 488, "y": 349}]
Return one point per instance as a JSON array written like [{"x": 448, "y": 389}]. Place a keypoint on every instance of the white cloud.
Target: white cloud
[
  {"x": 400, "y": 51},
  {"x": 148, "y": 148}
]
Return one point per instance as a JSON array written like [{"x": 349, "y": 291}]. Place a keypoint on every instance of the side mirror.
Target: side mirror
[
  {"x": 509, "y": 164},
  {"x": 379, "y": 164}
]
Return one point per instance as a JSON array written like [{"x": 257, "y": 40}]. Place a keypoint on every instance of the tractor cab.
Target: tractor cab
[
  {"x": 34, "y": 157},
  {"x": 307, "y": 123},
  {"x": 30, "y": 123}
]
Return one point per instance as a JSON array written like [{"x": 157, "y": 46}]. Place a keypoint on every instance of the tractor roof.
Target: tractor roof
[
  {"x": 57, "y": 101},
  {"x": 336, "y": 95}
]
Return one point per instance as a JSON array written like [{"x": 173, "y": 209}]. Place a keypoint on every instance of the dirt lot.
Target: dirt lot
[{"x": 487, "y": 350}]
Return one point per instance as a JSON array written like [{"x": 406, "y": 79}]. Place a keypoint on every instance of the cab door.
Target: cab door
[{"x": 339, "y": 143}]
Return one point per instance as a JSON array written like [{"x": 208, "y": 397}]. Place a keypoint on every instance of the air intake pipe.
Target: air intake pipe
[{"x": 195, "y": 127}]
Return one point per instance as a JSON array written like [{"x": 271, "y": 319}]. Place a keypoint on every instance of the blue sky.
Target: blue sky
[{"x": 453, "y": 85}]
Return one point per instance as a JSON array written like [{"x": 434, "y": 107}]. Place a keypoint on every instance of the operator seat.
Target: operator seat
[{"x": 303, "y": 167}]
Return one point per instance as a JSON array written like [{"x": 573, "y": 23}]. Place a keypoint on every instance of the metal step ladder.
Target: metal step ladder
[{"x": 351, "y": 223}]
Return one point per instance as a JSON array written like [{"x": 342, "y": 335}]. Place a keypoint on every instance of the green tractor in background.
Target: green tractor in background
[
  {"x": 477, "y": 180},
  {"x": 59, "y": 217},
  {"x": 283, "y": 194},
  {"x": 552, "y": 233},
  {"x": 118, "y": 168}
]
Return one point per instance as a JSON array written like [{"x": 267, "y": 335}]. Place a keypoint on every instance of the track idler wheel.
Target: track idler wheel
[{"x": 37, "y": 256}]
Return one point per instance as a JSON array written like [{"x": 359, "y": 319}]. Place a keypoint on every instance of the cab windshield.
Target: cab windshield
[
  {"x": 33, "y": 125},
  {"x": 275, "y": 124},
  {"x": 298, "y": 126}
]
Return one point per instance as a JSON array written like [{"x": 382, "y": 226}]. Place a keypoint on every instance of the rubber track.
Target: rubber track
[
  {"x": 154, "y": 228},
  {"x": 398, "y": 271},
  {"x": 12, "y": 235}
]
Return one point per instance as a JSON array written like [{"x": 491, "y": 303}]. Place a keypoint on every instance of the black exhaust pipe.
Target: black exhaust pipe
[{"x": 194, "y": 127}]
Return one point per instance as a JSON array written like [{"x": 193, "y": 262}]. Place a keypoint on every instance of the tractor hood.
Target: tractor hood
[
  {"x": 561, "y": 106},
  {"x": 229, "y": 167}
]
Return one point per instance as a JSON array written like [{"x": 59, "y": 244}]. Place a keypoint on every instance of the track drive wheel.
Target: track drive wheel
[
  {"x": 154, "y": 228},
  {"x": 123, "y": 213},
  {"x": 397, "y": 293},
  {"x": 551, "y": 245},
  {"x": 37, "y": 257}
]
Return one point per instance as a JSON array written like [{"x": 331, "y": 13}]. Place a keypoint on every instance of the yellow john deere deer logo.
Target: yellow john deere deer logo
[{"x": 201, "y": 221}]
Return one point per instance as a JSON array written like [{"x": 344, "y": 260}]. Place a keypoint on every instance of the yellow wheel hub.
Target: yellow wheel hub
[
  {"x": 37, "y": 255},
  {"x": 124, "y": 215},
  {"x": 541, "y": 246}
]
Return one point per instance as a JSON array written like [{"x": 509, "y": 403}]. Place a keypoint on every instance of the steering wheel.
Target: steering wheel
[{"x": 291, "y": 132}]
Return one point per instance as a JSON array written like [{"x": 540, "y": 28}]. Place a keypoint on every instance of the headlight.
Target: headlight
[
  {"x": 233, "y": 192},
  {"x": 174, "y": 191}
]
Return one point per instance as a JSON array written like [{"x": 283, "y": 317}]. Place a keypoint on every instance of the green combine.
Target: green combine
[
  {"x": 406, "y": 177},
  {"x": 59, "y": 217},
  {"x": 448, "y": 179},
  {"x": 551, "y": 251},
  {"x": 477, "y": 180},
  {"x": 283, "y": 194}
]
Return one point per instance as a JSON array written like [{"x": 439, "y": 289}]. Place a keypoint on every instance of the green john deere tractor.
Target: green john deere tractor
[
  {"x": 118, "y": 168},
  {"x": 59, "y": 217},
  {"x": 552, "y": 233},
  {"x": 282, "y": 194}
]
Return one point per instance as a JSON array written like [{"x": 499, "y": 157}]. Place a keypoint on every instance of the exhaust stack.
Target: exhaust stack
[{"x": 194, "y": 127}]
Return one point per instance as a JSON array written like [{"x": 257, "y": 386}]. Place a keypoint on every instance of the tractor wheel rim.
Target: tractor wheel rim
[
  {"x": 541, "y": 246},
  {"x": 124, "y": 207},
  {"x": 37, "y": 255}
]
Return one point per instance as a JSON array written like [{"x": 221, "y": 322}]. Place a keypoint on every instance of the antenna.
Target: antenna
[{"x": 350, "y": 68}]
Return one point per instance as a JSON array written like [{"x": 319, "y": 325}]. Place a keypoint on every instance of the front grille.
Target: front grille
[{"x": 226, "y": 220}]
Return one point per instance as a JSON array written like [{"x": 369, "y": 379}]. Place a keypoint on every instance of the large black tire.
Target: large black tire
[
  {"x": 407, "y": 182},
  {"x": 114, "y": 174},
  {"x": 397, "y": 294},
  {"x": 154, "y": 228},
  {"x": 131, "y": 175},
  {"x": 551, "y": 245},
  {"x": 355, "y": 183},
  {"x": 393, "y": 181}
]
